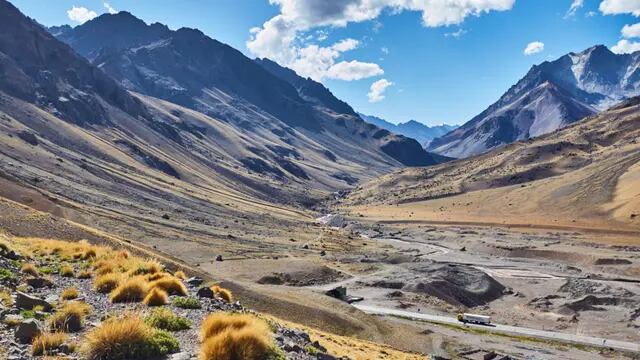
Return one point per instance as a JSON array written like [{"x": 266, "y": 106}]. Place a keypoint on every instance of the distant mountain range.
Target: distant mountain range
[
  {"x": 416, "y": 130},
  {"x": 551, "y": 96}
]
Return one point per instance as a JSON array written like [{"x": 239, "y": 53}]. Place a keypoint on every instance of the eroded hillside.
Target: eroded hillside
[{"x": 579, "y": 176}]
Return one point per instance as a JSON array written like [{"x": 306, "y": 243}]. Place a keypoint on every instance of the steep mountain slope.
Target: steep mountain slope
[
  {"x": 422, "y": 133},
  {"x": 190, "y": 69},
  {"x": 551, "y": 96},
  {"x": 585, "y": 175}
]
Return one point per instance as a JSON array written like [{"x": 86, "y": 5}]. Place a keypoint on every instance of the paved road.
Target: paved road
[{"x": 542, "y": 334}]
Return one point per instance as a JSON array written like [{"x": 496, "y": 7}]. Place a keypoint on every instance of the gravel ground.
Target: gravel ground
[{"x": 295, "y": 344}]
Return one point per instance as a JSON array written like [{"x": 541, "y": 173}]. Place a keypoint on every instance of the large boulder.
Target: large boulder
[
  {"x": 27, "y": 330},
  {"x": 205, "y": 292},
  {"x": 38, "y": 282},
  {"x": 28, "y": 302}
]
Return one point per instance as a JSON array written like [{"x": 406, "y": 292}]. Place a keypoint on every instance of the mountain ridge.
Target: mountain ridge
[
  {"x": 586, "y": 83},
  {"x": 188, "y": 68},
  {"x": 422, "y": 133}
]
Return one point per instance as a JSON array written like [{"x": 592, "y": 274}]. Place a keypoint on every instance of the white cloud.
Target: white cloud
[
  {"x": 353, "y": 70},
  {"x": 81, "y": 14},
  {"x": 613, "y": 7},
  {"x": 385, "y": 50},
  {"x": 109, "y": 8},
  {"x": 456, "y": 34},
  {"x": 631, "y": 31},
  {"x": 279, "y": 38},
  {"x": 575, "y": 6},
  {"x": 591, "y": 14},
  {"x": 534, "y": 48},
  {"x": 625, "y": 47},
  {"x": 377, "y": 89}
]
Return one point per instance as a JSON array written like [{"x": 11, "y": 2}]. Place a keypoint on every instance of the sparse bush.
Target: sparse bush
[
  {"x": 66, "y": 270},
  {"x": 128, "y": 338},
  {"x": 166, "y": 319},
  {"x": 70, "y": 293},
  {"x": 29, "y": 269},
  {"x": 5, "y": 275},
  {"x": 156, "y": 297},
  {"x": 48, "y": 270},
  {"x": 186, "y": 303},
  {"x": 33, "y": 314},
  {"x": 171, "y": 285},
  {"x": 180, "y": 275},
  {"x": 236, "y": 337},
  {"x": 130, "y": 290},
  {"x": 47, "y": 342},
  {"x": 107, "y": 282},
  {"x": 70, "y": 318}
]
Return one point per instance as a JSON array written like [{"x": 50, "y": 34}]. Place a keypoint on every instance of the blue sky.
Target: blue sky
[{"x": 435, "y": 65}]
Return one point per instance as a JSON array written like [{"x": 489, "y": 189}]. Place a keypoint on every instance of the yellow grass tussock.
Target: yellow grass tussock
[
  {"x": 47, "y": 342},
  {"x": 134, "y": 289},
  {"x": 156, "y": 297},
  {"x": 171, "y": 285}
]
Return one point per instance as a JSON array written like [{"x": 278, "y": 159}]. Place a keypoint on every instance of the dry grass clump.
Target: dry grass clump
[
  {"x": 222, "y": 293},
  {"x": 69, "y": 318},
  {"x": 6, "y": 299},
  {"x": 157, "y": 276},
  {"x": 89, "y": 253},
  {"x": 70, "y": 293},
  {"x": 156, "y": 297},
  {"x": 216, "y": 323},
  {"x": 84, "y": 274},
  {"x": 180, "y": 275},
  {"x": 130, "y": 290},
  {"x": 145, "y": 267},
  {"x": 62, "y": 249},
  {"x": 29, "y": 269},
  {"x": 66, "y": 270},
  {"x": 47, "y": 342},
  {"x": 127, "y": 338},
  {"x": 107, "y": 282},
  {"x": 234, "y": 337},
  {"x": 171, "y": 285}
]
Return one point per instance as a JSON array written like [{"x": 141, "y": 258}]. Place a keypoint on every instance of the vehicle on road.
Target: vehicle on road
[{"x": 474, "y": 318}]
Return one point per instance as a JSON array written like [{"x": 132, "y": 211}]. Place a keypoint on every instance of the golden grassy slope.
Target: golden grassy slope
[{"x": 582, "y": 176}]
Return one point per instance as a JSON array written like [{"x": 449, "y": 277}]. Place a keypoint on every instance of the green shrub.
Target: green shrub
[
  {"x": 165, "y": 319},
  {"x": 6, "y": 275},
  {"x": 186, "y": 303}
]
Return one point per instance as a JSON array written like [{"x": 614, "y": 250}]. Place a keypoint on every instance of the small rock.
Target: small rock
[
  {"x": 323, "y": 253},
  {"x": 194, "y": 281},
  {"x": 27, "y": 330},
  {"x": 180, "y": 356},
  {"x": 291, "y": 347},
  {"x": 205, "y": 292},
  {"x": 219, "y": 258},
  {"x": 28, "y": 302},
  {"x": 65, "y": 349}
]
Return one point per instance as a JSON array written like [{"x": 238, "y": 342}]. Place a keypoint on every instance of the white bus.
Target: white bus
[{"x": 474, "y": 318}]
